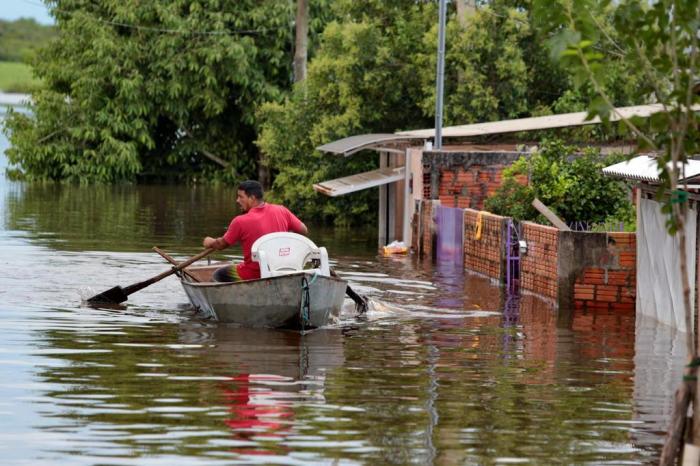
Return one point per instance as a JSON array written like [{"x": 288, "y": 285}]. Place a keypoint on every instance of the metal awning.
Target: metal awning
[
  {"x": 644, "y": 168},
  {"x": 350, "y": 145},
  {"x": 360, "y": 181},
  {"x": 563, "y": 120}
]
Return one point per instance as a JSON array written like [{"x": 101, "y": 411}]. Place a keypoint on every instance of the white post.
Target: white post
[{"x": 407, "y": 199}]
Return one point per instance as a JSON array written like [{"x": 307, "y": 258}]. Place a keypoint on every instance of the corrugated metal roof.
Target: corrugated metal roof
[
  {"x": 360, "y": 181},
  {"x": 350, "y": 145},
  {"x": 534, "y": 123},
  {"x": 644, "y": 168}
]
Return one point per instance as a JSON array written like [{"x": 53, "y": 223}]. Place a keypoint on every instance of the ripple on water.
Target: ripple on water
[{"x": 442, "y": 369}]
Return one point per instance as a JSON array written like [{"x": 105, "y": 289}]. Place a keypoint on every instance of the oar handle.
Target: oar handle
[
  {"x": 168, "y": 258},
  {"x": 138, "y": 286}
]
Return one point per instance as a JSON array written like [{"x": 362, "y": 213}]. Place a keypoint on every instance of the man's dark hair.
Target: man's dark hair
[{"x": 251, "y": 188}]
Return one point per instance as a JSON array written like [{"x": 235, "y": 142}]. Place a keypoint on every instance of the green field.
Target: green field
[{"x": 16, "y": 77}]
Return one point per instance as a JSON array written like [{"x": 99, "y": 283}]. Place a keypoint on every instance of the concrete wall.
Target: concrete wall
[{"x": 580, "y": 270}]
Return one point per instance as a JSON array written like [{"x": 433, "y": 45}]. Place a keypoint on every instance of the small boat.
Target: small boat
[
  {"x": 286, "y": 295},
  {"x": 278, "y": 302}
]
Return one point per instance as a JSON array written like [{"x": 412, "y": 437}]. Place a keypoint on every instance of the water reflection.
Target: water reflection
[{"x": 445, "y": 369}]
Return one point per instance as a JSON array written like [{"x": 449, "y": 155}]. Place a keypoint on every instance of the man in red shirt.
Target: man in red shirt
[{"x": 259, "y": 218}]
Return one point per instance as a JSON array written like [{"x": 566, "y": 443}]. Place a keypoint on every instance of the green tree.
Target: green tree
[
  {"x": 660, "y": 38},
  {"x": 151, "y": 88},
  {"x": 361, "y": 80}
]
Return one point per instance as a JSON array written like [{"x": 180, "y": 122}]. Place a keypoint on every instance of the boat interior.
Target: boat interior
[{"x": 201, "y": 273}]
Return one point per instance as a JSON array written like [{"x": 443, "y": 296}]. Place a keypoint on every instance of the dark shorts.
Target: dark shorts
[{"x": 228, "y": 273}]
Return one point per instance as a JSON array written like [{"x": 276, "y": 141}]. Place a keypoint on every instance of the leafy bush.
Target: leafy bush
[{"x": 571, "y": 184}]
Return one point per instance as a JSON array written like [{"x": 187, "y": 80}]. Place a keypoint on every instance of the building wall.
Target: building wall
[
  {"x": 573, "y": 270},
  {"x": 464, "y": 179},
  {"x": 487, "y": 254},
  {"x": 468, "y": 188},
  {"x": 424, "y": 240},
  {"x": 539, "y": 266},
  {"x": 612, "y": 284}
]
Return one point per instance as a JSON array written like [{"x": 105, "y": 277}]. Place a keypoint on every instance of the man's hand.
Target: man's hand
[{"x": 213, "y": 243}]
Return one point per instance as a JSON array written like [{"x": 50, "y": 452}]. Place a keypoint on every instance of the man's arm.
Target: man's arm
[
  {"x": 294, "y": 224},
  {"x": 215, "y": 243},
  {"x": 302, "y": 230}
]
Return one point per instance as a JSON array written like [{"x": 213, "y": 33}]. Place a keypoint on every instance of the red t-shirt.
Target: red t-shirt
[{"x": 258, "y": 221}]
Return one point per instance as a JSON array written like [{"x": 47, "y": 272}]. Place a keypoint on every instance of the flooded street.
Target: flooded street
[{"x": 444, "y": 369}]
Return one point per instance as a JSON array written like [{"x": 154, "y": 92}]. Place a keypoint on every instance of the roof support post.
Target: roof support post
[
  {"x": 383, "y": 227},
  {"x": 407, "y": 199}
]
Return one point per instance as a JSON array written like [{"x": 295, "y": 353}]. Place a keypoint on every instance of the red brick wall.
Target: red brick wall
[
  {"x": 427, "y": 228},
  {"x": 612, "y": 284},
  {"x": 426, "y": 183},
  {"x": 538, "y": 268},
  {"x": 468, "y": 188},
  {"x": 486, "y": 255}
]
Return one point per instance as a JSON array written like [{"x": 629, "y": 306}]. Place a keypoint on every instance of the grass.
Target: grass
[{"x": 17, "y": 77}]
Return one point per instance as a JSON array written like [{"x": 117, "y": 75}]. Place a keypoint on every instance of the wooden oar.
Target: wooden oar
[
  {"x": 118, "y": 294},
  {"x": 168, "y": 258},
  {"x": 360, "y": 301}
]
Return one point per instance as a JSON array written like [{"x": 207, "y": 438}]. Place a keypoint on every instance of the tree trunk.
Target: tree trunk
[
  {"x": 465, "y": 8},
  {"x": 301, "y": 40},
  {"x": 264, "y": 176},
  {"x": 674, "y": 436}
]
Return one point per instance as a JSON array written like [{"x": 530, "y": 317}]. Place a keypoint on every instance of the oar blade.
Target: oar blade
[{"x": 114, "y": 295}]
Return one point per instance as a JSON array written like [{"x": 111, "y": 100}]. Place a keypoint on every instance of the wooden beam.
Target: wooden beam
[{"x": 549, "y": 215}]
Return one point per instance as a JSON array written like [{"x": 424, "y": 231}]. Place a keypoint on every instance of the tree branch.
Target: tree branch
[{"x": 206, "y": 153}]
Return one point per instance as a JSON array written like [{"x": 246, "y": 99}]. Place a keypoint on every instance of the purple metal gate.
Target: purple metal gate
[{"x": 512, "y": 258}]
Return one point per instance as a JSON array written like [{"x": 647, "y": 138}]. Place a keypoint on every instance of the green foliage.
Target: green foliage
[
  {"x": 361, "y": 80},
  {"x": 660, "y": 39},
  {"x": 17, "y": 77},
  {"x": 375, "y": 72},
  {"x": 572, "y": 185},
  {"x": 135, "y": 89},
  {"x": 486, "y": 72},
  {"x": 21, "y": 39},
  {"x": 144, "y": 88},
  {"x": 498, "y": 67}
]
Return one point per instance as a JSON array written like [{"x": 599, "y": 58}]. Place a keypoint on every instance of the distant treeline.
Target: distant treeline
[{"x": 20, "y": 39}]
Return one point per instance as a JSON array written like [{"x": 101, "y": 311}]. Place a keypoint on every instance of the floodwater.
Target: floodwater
[{"x": 444, "y": 369}]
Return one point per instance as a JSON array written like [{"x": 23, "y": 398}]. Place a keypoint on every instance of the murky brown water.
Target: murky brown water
[{"x": 443, "y": 370}]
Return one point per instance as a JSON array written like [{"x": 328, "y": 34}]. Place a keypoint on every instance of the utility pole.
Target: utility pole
[{"x": 440, "y": 74}]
